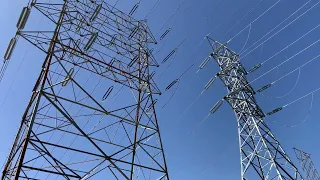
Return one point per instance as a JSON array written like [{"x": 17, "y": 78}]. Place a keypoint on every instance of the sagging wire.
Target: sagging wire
[
  {"x": 194, "y": 51},
  {"x": 304, "y": 120},
  {"x": 173, "y": 23},
  {"x": 206, "y": 87},
  {"x": 224, "y": 152},
  {"x": 246, "y": 39},
  {"x": 191, "y": 133},
  {"x": 174, "y": 12},
  {"x": 292, "y": 43},
  {"x": 152, "y": 9},
  {"x": 278, "y": 79},
  {"x": 288, "y": 93},
  {"x": 229, "y": 15},
  {"x": 294, "y": 101},
  {"x": 165, "y": 70},
  {"x": 280, "y": 64},
  {"x": 254, "y": 20},
  {"x": 198, "y": 25},
  {"x": 176, "y": 81},
  {"x": 253, "y": 8},
  {"x": 278, "y": 30}
]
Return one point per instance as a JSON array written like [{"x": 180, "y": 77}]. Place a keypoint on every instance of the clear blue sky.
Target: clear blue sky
[{"x": 212, "y": 151}]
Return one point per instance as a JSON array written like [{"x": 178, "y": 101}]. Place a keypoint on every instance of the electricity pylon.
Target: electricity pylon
[
  {"x": 262, "y": 156},
  {"x": 307, "y": 165},
  {"x": 92, "y": 110}
]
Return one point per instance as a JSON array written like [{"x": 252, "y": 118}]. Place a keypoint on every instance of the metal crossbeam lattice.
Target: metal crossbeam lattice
[
  {"x": 91, "y": 114},
  {"x": 262, "y": 156},
  {"x": 307, "y": 165}
]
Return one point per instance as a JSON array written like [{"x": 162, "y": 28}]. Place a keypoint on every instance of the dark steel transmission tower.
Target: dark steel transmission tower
[
  {"x": 262, "y": 156},
  {"x": 307, "y": 165},
  {"x": 91, "y": 114}
]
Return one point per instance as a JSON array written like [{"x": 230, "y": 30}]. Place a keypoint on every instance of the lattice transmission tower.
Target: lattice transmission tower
[
  {"x": 310, "y": 171},
  {"x": 262, "y": 156},
  {"x": 92, "y": 110}
]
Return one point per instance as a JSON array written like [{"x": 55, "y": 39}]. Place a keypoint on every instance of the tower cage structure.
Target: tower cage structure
[
  {"x": 92, "y": 110},
  {"x": 262, "y": 156},
  {"x": 310, "y": 171}
]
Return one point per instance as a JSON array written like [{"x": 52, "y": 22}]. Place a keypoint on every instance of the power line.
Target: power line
[{"x": 281, "y": 28}]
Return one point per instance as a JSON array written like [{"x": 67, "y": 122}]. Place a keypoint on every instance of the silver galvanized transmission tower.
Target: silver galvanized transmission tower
[
  {"x": 262, "y": 156},
  {"x": 91, "y": 114},
  {"x": 310, "y": 171}
]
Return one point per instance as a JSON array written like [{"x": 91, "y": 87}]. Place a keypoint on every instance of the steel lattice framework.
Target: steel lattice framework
[
  {"x": 262, "y": 156},
  {"x": 91, "y": 113},
  {"x": 307, "y": 165}
]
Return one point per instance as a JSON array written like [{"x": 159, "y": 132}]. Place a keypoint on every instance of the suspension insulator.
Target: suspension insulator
[
  {"x": 264, "y": 88},
  {"x": 10, "y": 48},
  {"x": 108, "y": 92},
  {"x": 23, "y": 18},
  {"x": 165, "y": 34},
  {"x": 133, "y": 61},
  {"x": 172, "y": 84},
  {"x": 216, "y": 106},
  {"x": 68, "y": 77},
  {"x": 205, "y": 62},
  {"x": 133, "y": 32},
  {"x": 91, "y": 41},
  {"x": 79, "y": 26},
  {"x": 169, "y": 55},
  {"x": 274, "y": 111},
  {"x": 209, "y": 83},
  {"x": 96, "y": 12},
  {"x": 134, "y": 9},
  {"x": 255, "y": 68}
]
